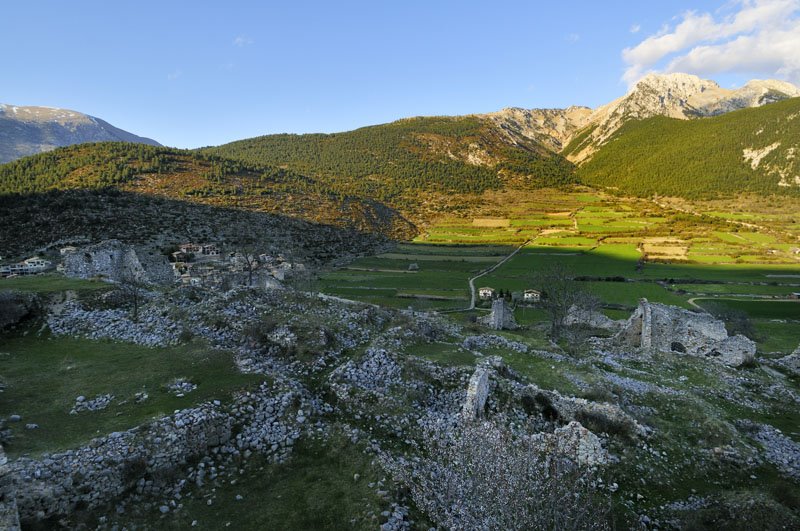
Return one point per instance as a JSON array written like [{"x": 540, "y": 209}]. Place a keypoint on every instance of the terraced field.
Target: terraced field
[{"x": 664, "y": 252}]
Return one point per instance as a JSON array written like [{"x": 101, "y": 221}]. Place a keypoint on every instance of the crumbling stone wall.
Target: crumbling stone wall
[
  {"x": 109, "y": 466},
  {"x": 116, "y": 261},
  {"x": 671, "y": 329},
  {"x": 501, "y": 318}
]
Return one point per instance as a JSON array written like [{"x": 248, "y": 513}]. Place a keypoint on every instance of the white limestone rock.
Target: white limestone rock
[{"x": 477, "y": 393}]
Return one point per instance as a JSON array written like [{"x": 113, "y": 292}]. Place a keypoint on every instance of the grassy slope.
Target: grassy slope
[
  {"x": 45, "y": 375},
  {"x": 700, "y": 158}
]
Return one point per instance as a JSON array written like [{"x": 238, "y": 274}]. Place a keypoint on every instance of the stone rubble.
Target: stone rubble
[
  {"x": 487, "y": 341},
  {"x": 574, "y": 442},
  {"x": 181, "y": 387},
  {"x": 95, "y": 404},
  {"x": 151, "y": 329},
  {"x": 779, "y": 449}
]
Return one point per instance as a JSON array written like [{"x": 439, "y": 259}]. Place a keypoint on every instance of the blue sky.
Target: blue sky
[{"x": 199, "y": 73}]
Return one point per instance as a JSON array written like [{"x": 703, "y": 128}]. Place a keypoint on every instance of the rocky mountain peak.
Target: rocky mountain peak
[{"x": 681, "y": 96}]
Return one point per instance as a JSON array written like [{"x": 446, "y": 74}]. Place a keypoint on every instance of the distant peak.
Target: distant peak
[
  {"x": 685, "y": 82},
  {"x": 773, "y": 84}
]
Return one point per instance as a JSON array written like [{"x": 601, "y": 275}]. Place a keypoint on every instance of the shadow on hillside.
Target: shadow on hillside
[{"x": 32, "y": 221}]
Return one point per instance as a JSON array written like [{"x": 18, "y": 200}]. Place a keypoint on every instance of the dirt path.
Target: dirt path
[{"x": 489, "y": 270}]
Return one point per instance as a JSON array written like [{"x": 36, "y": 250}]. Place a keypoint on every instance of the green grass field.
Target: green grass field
[
  {"x": 597, "y": 237},
  {"x": 44, "y": 376},
  {"x": 51, "y": 283}
]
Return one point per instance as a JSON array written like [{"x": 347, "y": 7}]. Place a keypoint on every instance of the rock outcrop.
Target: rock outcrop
[
  {"x": 551, "y": 127},
  {"x": 592, "y": 318},
  {"x": 680, "y": 96},
  {"x": 574, "y": 442},
  {"x": 119, "y": 262},
  {"x": 665, "y": 328},
  {"x": 477, "y": 393},
  {"x": 791, "y": 362},
  {"x": 501, "y": 318}
]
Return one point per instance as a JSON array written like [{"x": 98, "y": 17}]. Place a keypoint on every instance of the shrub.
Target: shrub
[{"x": 479, "y": 476}]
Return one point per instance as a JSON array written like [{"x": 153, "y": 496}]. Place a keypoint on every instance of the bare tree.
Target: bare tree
[
  {"x": 132, "y": 288},
  {"x": 250, "y": 262},
  {"x": 248, "y": 252},
  {"x": 480, "y": 476},
  {"x": 560, "y": 293}
]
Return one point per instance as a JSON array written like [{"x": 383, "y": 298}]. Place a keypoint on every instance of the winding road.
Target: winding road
[{"x": 487, "y": 271}]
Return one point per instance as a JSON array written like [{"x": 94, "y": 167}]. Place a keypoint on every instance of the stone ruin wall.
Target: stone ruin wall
[
  {"x": 109, "y": 466},
  {"x": 663, "y": 328},
  {"x": 116, "y": 261}
]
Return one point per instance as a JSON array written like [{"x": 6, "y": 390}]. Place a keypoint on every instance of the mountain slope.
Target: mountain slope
[
  {"x": 550, "y": 127},
  {"x": 680, "y": 96},
  {"x": 402, "y": 161},
  {"x": 754, "y": 150},
  {"x": 197, "y": 178},
  {"x": 29, "y": 130}
]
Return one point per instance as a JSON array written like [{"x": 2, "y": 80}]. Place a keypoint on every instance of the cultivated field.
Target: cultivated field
[{"x": 622, "y": 249}]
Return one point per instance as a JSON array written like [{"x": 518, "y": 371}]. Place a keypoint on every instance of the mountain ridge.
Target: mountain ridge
[
  {"x": 578, "y": 132},
  {"x": 28, "y": 130}
]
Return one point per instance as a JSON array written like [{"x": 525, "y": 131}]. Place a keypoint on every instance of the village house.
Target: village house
[
  {"x": 486, "y": 293},
  {"x": 200, "y": 249},
  {"x": 67, "y": 250},
  {"x": 532, "y": 295},
  {"x": 31, "y": 266},
  {"x": 210, "y": 250},
  {"x": 180, "y": 257}
]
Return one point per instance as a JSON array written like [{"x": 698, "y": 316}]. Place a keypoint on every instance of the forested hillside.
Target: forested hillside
[
  {"x": 198, "y": 178},
  {"x": 394, "y": 162},
  {"x": 756, "y": 150}
]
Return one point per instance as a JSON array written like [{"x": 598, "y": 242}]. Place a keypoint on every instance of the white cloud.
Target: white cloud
[
  {"x": 573, "y": 37},
  {"x": 636, "y": 28},
  {"x": 172, "y": 76},
  {"x": 759, "y": 36},
  {"x": 242, "y": 41}
]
